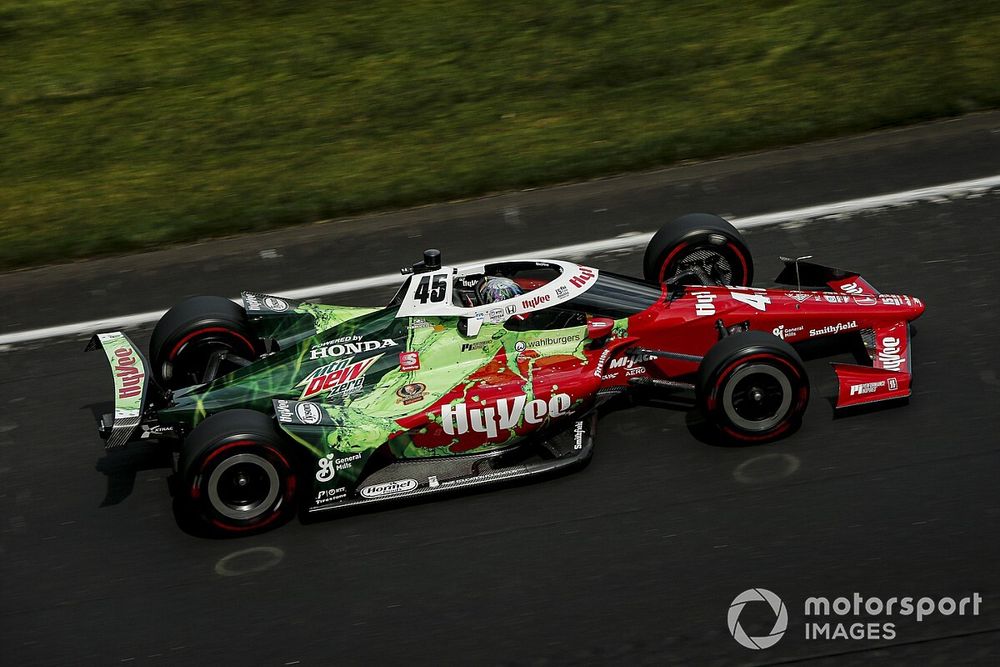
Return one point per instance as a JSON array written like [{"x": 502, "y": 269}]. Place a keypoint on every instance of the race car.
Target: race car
[{"x": 482, "y": 374}]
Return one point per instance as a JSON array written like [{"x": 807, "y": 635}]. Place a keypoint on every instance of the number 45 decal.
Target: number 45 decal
[
  {"x": 753, "y": 297},
  {"x": 432, "y": 292}
]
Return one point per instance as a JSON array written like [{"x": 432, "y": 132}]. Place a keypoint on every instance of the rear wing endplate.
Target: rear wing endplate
[{"x": 129, "y": 368}]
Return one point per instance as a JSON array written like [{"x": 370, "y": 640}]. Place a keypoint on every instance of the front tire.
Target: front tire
[
  {"x": 752, "y": 387},
  {"x": 703, "y": 241},
  {"x": 188, "y": 334},
  {"x": 236, "y": 476}
]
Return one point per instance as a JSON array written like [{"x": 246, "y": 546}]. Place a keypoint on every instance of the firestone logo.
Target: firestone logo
[{"x": 780, "y": 619}]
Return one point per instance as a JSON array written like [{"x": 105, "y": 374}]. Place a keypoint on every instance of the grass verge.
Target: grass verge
[{"x": 128, "y": 124}]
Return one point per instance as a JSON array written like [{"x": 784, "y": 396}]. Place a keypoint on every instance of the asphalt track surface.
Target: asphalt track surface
[{"x": 635, "y": 559}]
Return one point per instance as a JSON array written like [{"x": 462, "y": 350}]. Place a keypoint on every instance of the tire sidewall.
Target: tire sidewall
[
  {"x": 697, "y": 229},
  {"x": 722, "y": 367},
  {"x": 194, "y": 321},
  {"x": 250, "y": 438}
]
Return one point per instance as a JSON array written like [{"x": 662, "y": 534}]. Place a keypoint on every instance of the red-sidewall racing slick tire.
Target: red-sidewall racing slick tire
[
  {"x": 703, "y": 240},
  {"x": 752, "y": 387},
  {"x": 187, "y": 335},
  {"x": 237, "y": 474}
]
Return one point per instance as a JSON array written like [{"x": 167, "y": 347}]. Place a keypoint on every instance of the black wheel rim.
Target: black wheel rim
[
  {"x": 243, "y": 486},
  {"x": 757, "y": 397}
]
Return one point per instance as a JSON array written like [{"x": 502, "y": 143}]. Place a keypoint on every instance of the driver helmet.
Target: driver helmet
[{"x": 498, "y": 289}]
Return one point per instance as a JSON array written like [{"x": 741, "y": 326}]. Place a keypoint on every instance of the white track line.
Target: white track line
[{"x": 624, "y": 242}]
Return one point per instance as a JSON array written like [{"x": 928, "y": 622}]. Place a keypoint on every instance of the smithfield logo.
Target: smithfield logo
[
  {"x": 389, "y": 488},
  {"x": 837, "y": 328},
  {"x": 780, "y": 619}
]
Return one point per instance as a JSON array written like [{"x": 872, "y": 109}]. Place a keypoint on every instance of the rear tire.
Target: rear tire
[
  {"x": 187, "y": 335},
  {"x": 236, "y": 476},
  {"x": 752, "y": 387},
  {"x": 703, "y": 240}
]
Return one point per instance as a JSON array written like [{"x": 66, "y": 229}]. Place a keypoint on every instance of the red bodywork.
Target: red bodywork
[{"x": 688, "y": 326}]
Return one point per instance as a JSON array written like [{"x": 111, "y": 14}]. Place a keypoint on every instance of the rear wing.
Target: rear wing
[{"x": 129, "y": 368}]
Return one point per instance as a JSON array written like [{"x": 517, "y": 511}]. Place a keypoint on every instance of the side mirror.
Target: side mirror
[
  {"x": 599, "y": 328},
  {"x": 469, "y": 326}
]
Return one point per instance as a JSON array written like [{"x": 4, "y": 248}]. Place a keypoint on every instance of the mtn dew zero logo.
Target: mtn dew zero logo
[
  {"x": 504, "y": 415},
  {"x": 344, "y": 376}
]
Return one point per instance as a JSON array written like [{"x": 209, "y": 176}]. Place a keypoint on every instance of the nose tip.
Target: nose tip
[{"x": 918, "y": 308}]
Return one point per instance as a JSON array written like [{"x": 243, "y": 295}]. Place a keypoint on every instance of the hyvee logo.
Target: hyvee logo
[
  {"x": 128, "y": 372},
  {"x": 890, "y": 355},
  {"x": 531, "y": 302},
  {"x": 780, "y": 618},
  {"x": 458, "y": 418},
  {"x": 342, "y": 349},
  {"x": 704, "y": 303}
]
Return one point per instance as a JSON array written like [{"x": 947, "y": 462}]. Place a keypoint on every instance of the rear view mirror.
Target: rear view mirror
[
  {"x": 469, "y": 326},
  {"x": 599, "y": 328}
]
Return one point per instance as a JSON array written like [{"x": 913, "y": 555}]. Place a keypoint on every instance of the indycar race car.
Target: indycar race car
[{"x": 482, "y": 374}]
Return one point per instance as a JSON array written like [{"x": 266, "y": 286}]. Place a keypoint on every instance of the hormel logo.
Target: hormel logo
[
  {"x": 582, "y": 278},
  {"x": 866, "y": 388},
  {"x": 344, "y": 348},
  {"x": 458, "y": 418},
  {"x": 389, "y": 488},
  {"x": 339, "y": 377},
  {"x": 128, "y": 372},
  {"x": 535, "y": 301}
]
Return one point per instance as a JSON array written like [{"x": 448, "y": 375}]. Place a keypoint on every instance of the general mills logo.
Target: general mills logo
[{"x": 780, "y": 618}]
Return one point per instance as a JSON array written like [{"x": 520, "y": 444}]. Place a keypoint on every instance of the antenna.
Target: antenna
[{"x": 798, "y": 280}]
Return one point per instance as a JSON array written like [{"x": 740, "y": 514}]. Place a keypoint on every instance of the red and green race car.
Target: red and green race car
[{"x": 484, "y": 373}]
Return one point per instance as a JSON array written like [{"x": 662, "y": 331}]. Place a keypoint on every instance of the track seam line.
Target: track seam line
[{"x": 623, "y": 242}]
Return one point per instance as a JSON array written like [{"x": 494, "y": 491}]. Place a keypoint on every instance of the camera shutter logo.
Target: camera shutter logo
[{"x": 780, "y": 621}]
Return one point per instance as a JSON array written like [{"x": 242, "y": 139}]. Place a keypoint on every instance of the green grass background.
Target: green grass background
[{"x": 131, "y": 123}]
